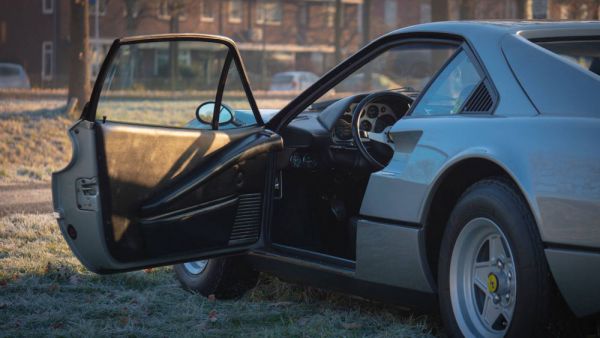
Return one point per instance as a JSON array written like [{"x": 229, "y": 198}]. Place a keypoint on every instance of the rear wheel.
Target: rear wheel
[
  {"x": 224, "y": 277},
  {"x": 493, "y": 277}
]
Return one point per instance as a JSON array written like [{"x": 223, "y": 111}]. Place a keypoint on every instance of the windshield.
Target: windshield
[
  {"x": 9, "y": 71},
  {"x": 407, "y": 67}
]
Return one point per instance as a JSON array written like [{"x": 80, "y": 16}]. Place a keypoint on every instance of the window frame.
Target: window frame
[
  {"x": 47, "y": 48},
  {"x": 390, "y": 14},
  {"x": 234, "y": 19},
  {"x": 47, "y": 9},
  {"x": 233, "y": 58},
  {"x": 203, "y": 13},
  {"x": 163, "y": 5},
  {"x": 98, "y": 9},
  {"x": 485, "y": 79},
  {"x": 260, "y": 9}
]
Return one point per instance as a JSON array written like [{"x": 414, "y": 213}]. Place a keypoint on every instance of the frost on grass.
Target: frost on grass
[
  {"x": 33, "y": 139},
  {"x": 33, "y": 132},
  {"x": 45, "y": 291}
]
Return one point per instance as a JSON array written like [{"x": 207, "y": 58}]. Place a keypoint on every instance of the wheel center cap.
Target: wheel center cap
[{"x": 492, "y": 283}]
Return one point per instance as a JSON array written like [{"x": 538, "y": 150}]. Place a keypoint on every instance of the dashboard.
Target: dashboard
[{"x": 321, "y": 137}]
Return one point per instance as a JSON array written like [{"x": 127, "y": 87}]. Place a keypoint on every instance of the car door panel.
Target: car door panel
[
  {"x": 164, "y": 184},
  {"x": 144, "y": 191}
]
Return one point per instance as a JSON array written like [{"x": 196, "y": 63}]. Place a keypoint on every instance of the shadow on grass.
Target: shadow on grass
[{"x": 34, "y": 114}]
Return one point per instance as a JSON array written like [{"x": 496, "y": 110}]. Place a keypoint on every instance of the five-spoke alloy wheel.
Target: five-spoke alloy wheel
[
  {"x": 483, "y": 282},
  {"x": 492, "y": 274}
]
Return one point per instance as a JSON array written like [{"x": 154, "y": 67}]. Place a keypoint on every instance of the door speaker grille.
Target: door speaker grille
[{"x": 246, "y": 226}]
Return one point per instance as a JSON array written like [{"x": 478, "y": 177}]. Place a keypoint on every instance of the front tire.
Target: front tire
[
  {"x": 493, "y": 277},
  {"x": 223, "y": 277}
]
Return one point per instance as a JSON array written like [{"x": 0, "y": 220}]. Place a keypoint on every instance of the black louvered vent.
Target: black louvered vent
[
  {"x": 246, "y": 226},
  {"x": 481, "y": 101}
]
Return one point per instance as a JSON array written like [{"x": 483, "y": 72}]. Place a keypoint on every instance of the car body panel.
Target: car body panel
[
  {"x": 551, "y": 187},
  {"x": 575, "y": 273},
  {"x": 394, "y": 249},
  {"x": 133, "y": 193},
  {"x": 554, "y": 162},
  {"x": 551, "y": 158}
]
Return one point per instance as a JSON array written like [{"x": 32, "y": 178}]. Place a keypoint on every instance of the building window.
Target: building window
[
  {"x": 390, "y": 12},
  {"x": 161, "y": 61},
  {"x": 167, "y": 8},
  {"x": 207, "y": 11},
  {"x": 163, "y": 10},
  {"x": 135, "y": 10},
  {"x": 330, "y": 15},
  {"x": 97, "y": 7},
  {"x": 47, "y": 6},
  {"x": 269, "y": 12},
  {"x": 47, "y": 60},
  {"x": 235, "y": 11}
]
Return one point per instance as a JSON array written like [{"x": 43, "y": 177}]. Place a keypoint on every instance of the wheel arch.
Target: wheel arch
[{"x": 445, "y": 192}]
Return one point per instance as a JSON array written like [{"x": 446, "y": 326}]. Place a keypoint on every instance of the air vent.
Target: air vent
[
  {"x": 246, "y": 226},
  {"x": 481, "y": 100}
]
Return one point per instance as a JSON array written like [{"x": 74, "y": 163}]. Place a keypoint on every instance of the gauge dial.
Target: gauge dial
[
  {"x": 343, "y": 130},
  {"x": 365, "y": 125},
  {"x": 296, "y": 160},
  {"x": 372, "y": 111},
  {"x": 383, "y": 122}
]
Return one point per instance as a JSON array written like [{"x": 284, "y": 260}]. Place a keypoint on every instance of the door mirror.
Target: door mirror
[{"x": 205, "y": 112}]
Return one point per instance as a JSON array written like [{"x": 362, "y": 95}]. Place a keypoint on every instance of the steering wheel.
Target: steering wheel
[{"x": 360, "y": 136}]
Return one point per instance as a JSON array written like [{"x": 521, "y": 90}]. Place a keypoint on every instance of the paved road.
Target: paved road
[{"x": 25, "y": 198}]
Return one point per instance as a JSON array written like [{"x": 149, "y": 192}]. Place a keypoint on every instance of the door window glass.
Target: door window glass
[
  {"x": 450, "y": 89},
  {"x": 163, "y": 83},
  {"x": 406, "y": 68}
]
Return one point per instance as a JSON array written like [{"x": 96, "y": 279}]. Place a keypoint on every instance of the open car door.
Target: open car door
[{"x": 170, "y": 158}]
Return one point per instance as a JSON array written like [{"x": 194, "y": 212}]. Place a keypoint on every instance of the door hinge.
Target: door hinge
[{"x": 87, "y": 193}]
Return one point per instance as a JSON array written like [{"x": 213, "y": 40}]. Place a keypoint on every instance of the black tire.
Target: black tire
[
  {"x": 498, "y": 200},
  {"x": 225, "y": 278}
]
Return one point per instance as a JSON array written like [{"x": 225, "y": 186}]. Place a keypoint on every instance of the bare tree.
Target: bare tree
[
  {"x": 337, "y": 35},
  {"x": 594, "y": 10},
  {"x": 521, "y": 12},
  {"x": 539, "y": 9},
  {"x": 467, "y": 9},
  {"x": 366, "y": 21},
  {"x": 439, "y": 10},
  {"x": 175, "y": 9},
  {"x": 79, "y": 76}
]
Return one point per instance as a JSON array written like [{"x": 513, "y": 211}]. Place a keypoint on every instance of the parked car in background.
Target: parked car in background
[
  {"x": 13, "y": 75},
  {"x": 476, "y": 190},
  {"x": 292, "y": 81}
]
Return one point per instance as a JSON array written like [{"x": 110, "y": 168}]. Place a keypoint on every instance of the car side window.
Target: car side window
[
  {"x": 164, "y": 83},
  {"x": 448, "y": 92}
]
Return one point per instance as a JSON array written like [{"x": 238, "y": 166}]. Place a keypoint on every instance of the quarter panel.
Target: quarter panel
[{"x": 552, "y": 160}]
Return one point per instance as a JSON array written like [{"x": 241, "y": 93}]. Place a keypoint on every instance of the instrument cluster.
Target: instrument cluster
[{"x": 375, "y": 117}]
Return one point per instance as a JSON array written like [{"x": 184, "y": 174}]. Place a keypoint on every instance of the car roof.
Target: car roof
[
  {"x": 529, "y": 29},
  {"x": 293, "y": 72},
  {"x": 506, "y": 50},
  {"x": 10, "y": 65}
]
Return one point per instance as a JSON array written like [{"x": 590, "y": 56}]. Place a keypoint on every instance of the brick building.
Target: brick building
[{"x": 273, "y": 35}]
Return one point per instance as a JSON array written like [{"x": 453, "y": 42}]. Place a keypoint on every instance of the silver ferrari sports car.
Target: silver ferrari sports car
[{"x": 470, "y": 182}]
